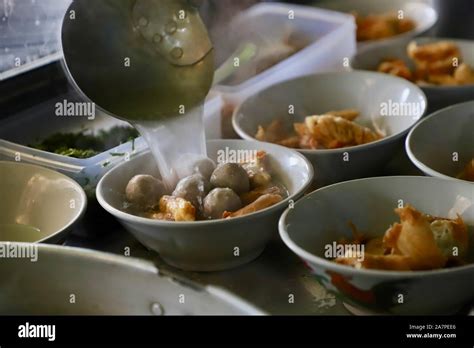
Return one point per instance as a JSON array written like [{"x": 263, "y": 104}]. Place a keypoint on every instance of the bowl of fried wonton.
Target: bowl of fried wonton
[
  {"x": 389, "y": 245},
  {"x": 348, "y": 124},
  {"x": 442, "y": 144}
]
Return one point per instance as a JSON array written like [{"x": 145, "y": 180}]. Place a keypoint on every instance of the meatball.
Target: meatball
[
  {"x": 231, "y": 175},
  {"x": 192, "y": 164},
  {"x": 193, "y": 189},
  {"x": 205, "y": 167},
  {"x": 144, "y": 191},
  {"x": 219, "y": 201}
]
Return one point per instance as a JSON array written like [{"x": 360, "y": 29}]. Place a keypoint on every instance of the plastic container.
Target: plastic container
[
  {"x": 29, "y": 34},
  {"x": 40, "y": 122},
  {"x": 330, "y": 38}
]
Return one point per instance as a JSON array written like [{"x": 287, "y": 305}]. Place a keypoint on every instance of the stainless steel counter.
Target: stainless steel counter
[{"x": 277, "y": 282}]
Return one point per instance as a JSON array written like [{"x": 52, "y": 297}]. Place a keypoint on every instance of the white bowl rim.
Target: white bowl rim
[
  {"x": 137, "y": 264},
  {"x": 418, "y": 163},
  {"x": 393, "y": 137},
  {"x": 78, "y": 188},
  {"x": 307, "y": 256},
  {"x": 150, "y": 222},
  {"x": 93, "y": 255},
  {"x": 428, "y": 87}
]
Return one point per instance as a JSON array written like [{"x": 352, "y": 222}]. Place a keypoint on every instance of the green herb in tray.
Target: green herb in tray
[{"x": 84, "y": 144}]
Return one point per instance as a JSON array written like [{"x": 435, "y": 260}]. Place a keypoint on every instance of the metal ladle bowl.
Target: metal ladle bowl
[{"x": 139, "y": 60}]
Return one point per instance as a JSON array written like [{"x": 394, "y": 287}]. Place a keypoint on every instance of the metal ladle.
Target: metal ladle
[{"x": 139, "y": 60}]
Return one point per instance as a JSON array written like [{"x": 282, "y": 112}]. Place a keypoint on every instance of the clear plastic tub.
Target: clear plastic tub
[
  {"x": 29, "y": 34},
  {"x": 36, "y": 124},
  {"x": 329, "y": 37},
  {"x": 33, "y": 125},
  {"x": 40, "y": 122}
]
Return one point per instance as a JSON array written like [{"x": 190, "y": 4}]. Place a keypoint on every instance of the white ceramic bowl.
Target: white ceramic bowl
[
  {"x": 443, "y": 143},
  {"x": 37, "y": 204},
  {"x": 322, "y": 217},
  {"x": 316, "y": 94},
  {"x": 207, "y": 245},
  {"x": 424, "y": 15},
  {"x": 438, "y": 96}
]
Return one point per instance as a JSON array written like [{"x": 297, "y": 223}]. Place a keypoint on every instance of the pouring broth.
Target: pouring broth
[
  {"x": 150, "y": 63},
  {"x": 175, "y": 144}
]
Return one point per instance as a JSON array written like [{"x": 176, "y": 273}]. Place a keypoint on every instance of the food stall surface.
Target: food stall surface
[{"x": 277, "y": 282}]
